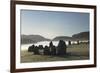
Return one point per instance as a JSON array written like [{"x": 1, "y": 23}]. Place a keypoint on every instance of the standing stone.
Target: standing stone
[
  {"x": 61, "y": 49},
  {"x": 46, "y": 50}
]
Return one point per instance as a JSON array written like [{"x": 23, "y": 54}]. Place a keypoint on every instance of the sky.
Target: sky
[{"x": 50, "y": 24}]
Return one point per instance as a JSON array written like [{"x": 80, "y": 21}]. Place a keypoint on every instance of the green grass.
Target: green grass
[{"x": 77, "y": 52}]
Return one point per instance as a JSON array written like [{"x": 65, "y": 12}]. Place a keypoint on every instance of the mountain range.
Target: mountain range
[{"x": 26, "y": 39}]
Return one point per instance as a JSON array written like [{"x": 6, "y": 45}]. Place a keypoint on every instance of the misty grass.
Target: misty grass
[{"x": 78, "y": 52}]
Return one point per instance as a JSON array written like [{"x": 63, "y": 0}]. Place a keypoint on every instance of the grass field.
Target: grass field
[{"x": 75, "y": 52}]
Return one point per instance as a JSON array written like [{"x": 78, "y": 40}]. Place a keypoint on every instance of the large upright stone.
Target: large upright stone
[{"x": 61, "y": 49}]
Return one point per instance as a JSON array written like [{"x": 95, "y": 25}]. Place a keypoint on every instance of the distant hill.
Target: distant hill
[
  {"x": 78, "y": 36},
  {"x": 63, "y": 38},
  {"x": 25, "y": 39},
  {"x": 81, "y": 36}
]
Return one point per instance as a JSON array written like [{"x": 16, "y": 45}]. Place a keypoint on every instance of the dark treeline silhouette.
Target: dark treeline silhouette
[{"x": 61, "y": 49}]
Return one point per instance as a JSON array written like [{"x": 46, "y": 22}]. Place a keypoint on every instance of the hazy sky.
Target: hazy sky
[{"x": 51, "y": 23}]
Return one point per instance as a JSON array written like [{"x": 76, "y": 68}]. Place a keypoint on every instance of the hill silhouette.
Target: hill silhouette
[{"x": 26, "y": 39}]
